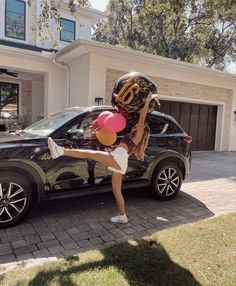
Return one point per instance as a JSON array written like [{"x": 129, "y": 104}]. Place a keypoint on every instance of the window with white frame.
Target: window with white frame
[
  {"x": 9, "y": 98},
  {"x": 67, "y": 33},
  {"x": 15, "y": 19}
]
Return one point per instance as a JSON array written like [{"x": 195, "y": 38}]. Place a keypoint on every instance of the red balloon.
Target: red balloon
[
  {"x": 102, "y": 117},
  {"x": 115, "y": 122}
]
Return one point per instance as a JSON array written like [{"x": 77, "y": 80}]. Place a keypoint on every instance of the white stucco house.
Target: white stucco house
[{"x": 83, "y": 71}]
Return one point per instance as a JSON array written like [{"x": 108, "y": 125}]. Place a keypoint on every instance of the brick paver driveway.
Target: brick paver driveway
[{"x": 65, "y": 227}]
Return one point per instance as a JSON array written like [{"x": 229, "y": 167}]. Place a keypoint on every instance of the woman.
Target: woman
[{"x": 117, "y": 160}]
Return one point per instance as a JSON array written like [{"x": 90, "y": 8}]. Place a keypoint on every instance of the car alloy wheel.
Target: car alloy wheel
[
  {"x": 166, "y": 181},
  {"x": 12, "y": 201},
  {"x": 15, "y": 198}
]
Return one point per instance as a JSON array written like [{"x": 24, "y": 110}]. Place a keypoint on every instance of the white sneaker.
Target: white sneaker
[
  {"x": 55, "y": 150},
  {"x": 119, "y": 219}
]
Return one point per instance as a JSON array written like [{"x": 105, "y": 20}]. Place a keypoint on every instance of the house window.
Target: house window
[
  {"x": 15, "y": 19},
  {"x": 9, "y": 98},
  {"x": 67, "y": 33}
]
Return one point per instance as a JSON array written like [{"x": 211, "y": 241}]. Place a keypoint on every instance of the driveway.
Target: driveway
[{"x": 62, "y": 228}]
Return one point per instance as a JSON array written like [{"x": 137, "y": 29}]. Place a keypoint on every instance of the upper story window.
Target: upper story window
[
  {"x": 15, "y": 19},
  {"x": 67, "y": 33}
]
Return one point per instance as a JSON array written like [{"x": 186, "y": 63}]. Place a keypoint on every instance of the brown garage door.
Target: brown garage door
[{"x": 198, "y": 120}]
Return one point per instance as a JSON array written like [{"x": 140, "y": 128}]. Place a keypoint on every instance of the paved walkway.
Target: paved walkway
[{"x": 62, "y": 228}]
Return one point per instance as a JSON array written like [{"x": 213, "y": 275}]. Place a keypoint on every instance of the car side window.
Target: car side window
[
  {"x": 79, "y": 123},
  {"x": 172, "y": 128},
  {"x": 86, "y": 124},
  {"x": 159, "y": 125},
  {"x": 156, "y": 124}
]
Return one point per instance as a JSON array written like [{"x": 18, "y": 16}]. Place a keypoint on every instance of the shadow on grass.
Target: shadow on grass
[{"x": 142, "y": 263}]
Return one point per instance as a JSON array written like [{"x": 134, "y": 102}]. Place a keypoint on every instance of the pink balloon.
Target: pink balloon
[
  {"x": 115, "y": 122},
  {"x": 102, "y": 117}
]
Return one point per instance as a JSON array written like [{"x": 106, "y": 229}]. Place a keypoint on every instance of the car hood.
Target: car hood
[{"x": 6, "y": 137}]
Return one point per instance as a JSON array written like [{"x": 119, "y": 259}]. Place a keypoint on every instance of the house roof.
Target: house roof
[
  {"x": 83, "y": 46},
  {"x": 24, "y": 46}
]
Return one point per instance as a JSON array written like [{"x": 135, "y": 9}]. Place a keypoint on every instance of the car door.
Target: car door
[{"x": 67, "y": 173}]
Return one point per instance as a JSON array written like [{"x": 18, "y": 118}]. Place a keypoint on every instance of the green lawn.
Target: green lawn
[{"x": 202, "y": 253}]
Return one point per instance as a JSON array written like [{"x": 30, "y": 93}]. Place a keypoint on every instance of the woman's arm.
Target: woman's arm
[{"x": 142, "y": 118}]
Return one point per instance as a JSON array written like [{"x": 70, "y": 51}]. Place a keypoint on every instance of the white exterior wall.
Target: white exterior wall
[
  {"x": 86, "y": 82},
  {"x": 97, "y": 82},
  {"x": 79, "y": 81},
  {"x": 54, "y": 92},
  {"x": 55, "y": 83}
]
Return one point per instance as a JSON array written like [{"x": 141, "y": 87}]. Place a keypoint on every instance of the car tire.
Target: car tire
[
  {"x": 16, "y": 198},
  {"x": 166, "y": 181}
]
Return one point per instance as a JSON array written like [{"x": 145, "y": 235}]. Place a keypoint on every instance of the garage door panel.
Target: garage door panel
[
  {"x": 194, "y": 116},
  {"x": 202, "y": 127},
  {"x": 212, "y": 115},
  {"x": 198, "y": 120},
  {"x": 175, "y": 110},
  {"x": 185, "y": 116},
  {"x": 165, "y": 107}
]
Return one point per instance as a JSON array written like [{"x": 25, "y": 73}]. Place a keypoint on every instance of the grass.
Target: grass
[{"x": 201, "y": 253}]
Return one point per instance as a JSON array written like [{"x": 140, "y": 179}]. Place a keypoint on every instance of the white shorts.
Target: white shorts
[{"x": 120, "y": 154}]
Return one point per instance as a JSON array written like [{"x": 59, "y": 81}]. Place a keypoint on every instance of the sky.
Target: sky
[{"x": 99, "y": 4}]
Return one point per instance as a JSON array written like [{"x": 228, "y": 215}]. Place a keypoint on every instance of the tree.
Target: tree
[
  {"x": 50, "y": 10},
  {"x": 201, "y": 31}
]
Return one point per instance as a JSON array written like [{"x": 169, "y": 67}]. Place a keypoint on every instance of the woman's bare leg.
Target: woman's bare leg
[
  {"x": 116, "y": 188},
  {"x": 99, "y": 156}
]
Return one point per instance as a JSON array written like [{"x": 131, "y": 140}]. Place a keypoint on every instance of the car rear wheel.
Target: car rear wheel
[
  {"x": 16, "y": 198},
  {"x": 166, "y": 181}
]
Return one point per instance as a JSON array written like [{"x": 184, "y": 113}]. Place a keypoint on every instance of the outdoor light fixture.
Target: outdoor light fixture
[
  {"x": 234, "y": 115},
  {"x": 98, "y": 100}
]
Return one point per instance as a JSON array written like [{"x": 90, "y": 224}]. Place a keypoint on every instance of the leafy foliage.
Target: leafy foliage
[{"x": 201, "y": 31}]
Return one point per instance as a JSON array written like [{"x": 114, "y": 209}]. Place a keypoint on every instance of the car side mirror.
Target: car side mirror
[{"x": 75, "y": 134}]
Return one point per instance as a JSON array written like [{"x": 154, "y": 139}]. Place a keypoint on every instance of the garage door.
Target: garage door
[{"x": 198, "y": 120}]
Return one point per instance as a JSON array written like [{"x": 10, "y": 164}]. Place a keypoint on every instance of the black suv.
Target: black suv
[{"x": 28, "y": 174}]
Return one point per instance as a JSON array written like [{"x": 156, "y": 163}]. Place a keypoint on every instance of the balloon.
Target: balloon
[
  {"x": 130, "y": 92},
  {"x": 102, "y": 117},
  {"x": 106, "y": 137},
  {"x": 115, "y": 122}
]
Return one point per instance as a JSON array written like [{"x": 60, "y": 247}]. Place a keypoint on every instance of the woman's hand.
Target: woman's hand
[{"x": 152, "y": 96}]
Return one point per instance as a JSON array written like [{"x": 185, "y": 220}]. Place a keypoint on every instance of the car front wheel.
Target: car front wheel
[
  {"x": 15, "y": 198},
  {"x": 166, "y": 181}
]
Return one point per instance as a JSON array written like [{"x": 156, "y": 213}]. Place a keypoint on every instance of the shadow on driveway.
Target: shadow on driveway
[{"x": 65, "y": 227}]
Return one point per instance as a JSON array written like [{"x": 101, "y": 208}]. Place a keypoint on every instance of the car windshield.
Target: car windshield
[{"x": 48, "y": 125}]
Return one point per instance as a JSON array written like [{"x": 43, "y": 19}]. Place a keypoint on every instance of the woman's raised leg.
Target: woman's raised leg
[{"x": 99, "y": 156}]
